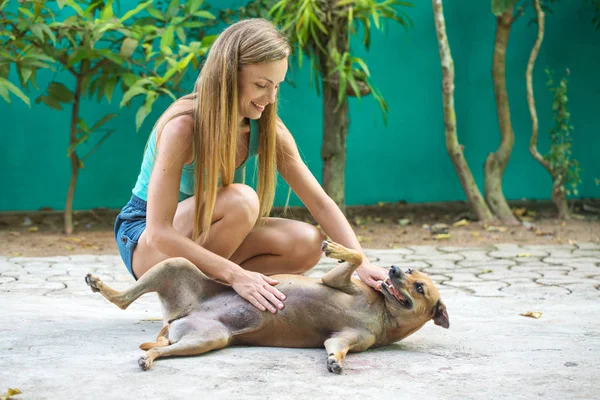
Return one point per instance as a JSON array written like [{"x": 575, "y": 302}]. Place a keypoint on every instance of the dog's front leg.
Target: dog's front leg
[
  {"x": 340, "y": 277},
  {"x": 339, "y": 344}
]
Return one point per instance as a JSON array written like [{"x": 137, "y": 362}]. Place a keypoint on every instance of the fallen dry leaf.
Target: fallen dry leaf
[
  {"x": 380, "y": 203},
  {"x": 532, "y": 314},
  {"x": 363, "y": 239},
  {"x": 33, "y": 229},
  {"x": 151, "y": 319},
  {"x": 378, "y": 219},
  {"x": 441, "y": 236},
  {"x": 69, "y": 247},
  {"x": 462, "y": 222},
  {"x": 523, "y": 255},
  {"x": 495, "y": 228},
  {"x": 73, "y": 239},
  {"x": 11, "y": 392},
  {"x": 404, "y": 221},
  {"x": 476, "y": 233},
  {"x": 519, "y": 212},
  {"x": 487, "y": 271},
  {"x": 15, "y": 254}
]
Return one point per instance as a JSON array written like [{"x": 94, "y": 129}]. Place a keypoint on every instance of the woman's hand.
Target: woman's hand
[
  {"x": 372, "y": 275},
  {"x": 257, "y": 289}
]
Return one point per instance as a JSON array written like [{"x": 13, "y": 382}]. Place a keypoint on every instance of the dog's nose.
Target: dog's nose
[{"x": 397, "y": 272}]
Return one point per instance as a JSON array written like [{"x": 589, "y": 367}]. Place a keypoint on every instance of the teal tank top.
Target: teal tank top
[{"x": 186, "y": 185}]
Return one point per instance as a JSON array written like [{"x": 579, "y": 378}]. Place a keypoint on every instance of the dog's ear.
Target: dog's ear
[{"x": 440, "y": 315}]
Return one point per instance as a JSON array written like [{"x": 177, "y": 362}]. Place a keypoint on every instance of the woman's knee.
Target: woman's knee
[
  {"x": 240, "y": 201},
  {"x": 307, "y": 246}
]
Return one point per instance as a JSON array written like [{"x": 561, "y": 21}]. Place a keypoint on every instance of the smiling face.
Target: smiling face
[
  {"x": 258, "y": 86},
  {"x": 411, "y": 295}
]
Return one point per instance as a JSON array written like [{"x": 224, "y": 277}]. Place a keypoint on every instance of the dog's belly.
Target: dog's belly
[{"x": 312, "y": 312}]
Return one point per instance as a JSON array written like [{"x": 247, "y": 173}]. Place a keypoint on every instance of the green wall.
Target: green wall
[{"x": 405, "y": 160}]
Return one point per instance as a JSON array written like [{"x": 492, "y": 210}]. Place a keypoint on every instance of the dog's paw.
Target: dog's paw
[
  {"x": 93, "y": 282},
  {"x": 334, "y": 250},
  {"x": 334, "y": 366},
  {"x": 145, "y": 363}
]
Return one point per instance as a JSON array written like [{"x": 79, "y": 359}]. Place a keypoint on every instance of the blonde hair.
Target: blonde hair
[{"x": 216, "y": 118}]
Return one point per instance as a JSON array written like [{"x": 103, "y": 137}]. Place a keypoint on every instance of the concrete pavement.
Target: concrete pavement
[{"x": 60, "y": 340}]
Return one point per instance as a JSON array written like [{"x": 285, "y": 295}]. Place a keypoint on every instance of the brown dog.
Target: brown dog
[{"x": 338, "y": 312}]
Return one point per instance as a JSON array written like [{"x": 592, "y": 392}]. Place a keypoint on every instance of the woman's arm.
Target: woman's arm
[
  {"x": 319, "y": 204},
  {"x": 174, "y": 149}
]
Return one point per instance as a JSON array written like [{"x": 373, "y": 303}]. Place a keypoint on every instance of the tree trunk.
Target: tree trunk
[
  {"x": 560, "y": 199},
  {"x": 558, "y": 196},
  {"x": 335, "y": 121},
  {"x": 455, "y": 150},
  {"x": 74, "y": 160},
  {"x": 496, "y": 162},
  {"x": 333, "y": 152}
]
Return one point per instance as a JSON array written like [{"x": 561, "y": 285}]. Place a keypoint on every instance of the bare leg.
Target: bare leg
[
  {"x": 280, "y": 246},
  {"x": 235, "y": 215},
  {"x": 214, "y": 336},
  {"x": 338, "y": 346},
  {"x": 277, "y": 246}
]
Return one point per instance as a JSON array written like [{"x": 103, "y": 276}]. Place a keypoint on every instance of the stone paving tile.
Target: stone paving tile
[
  {"x": 486, "y": 264},
  {"x": 4, "y": 265},
  {"x": 21, "y": 260},
  {"x": 506, "y": 274},
  {"x": 459, "y": 249},
  {"x": 460, "y": 277},
  {"x": 533, "y": 290},
  {"x": 481, "y": 288},
  {"x": 550, "y": 247},
  {"x": 6, "y": 279},
  {"x": 476, "y": 256},
  {"x": 588, "y": 246},
  {"x": 440, "y": 264},
  {"x": 565, "y": 260},
  {"x": 587, "y": 253},
  {"x": 436, "y": 256},
  {"x": 517, "y": 253}
]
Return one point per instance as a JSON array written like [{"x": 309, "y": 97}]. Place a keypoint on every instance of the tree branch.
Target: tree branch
[{"x": 530, "y": 98}]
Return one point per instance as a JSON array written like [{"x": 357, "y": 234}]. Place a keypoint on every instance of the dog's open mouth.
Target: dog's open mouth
[{"x": 402, "y": 299}]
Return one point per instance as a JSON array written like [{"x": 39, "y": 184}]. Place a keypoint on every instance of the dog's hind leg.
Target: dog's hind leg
[
  {"x": 340, "y": 277},
  {"x": 212, "y": 336},
  {"x": 162, "y": 340},
  {"x": 170, "y": 278}
]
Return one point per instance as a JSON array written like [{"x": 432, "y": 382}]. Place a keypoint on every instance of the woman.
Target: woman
[{"x": 188, "y": 200}]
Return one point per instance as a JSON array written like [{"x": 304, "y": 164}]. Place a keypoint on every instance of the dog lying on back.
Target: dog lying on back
[{"x": 336, "y": 311}]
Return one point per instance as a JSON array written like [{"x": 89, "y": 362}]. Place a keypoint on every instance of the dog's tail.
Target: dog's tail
[{"x": 162, "y": 340}]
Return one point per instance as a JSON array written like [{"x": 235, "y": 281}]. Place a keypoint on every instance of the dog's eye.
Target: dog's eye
[{"x": 419, "y": 288}]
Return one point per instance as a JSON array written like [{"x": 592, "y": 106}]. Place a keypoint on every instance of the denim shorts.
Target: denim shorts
[{"x": 129, "y": 225}]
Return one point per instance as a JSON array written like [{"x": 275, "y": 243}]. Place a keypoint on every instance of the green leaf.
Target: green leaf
[
  {"x": 194, "y": 5},
  {"x": 156, "y": 13},
  {"x": 50, "y": 102},
  {"x": 111, "y": 56},
  {"x": 204, "y": 14},
  {"x": 131, "y": 93},
  {"x": 102, "y": 121},
  {"x": 107, "y": 12},
  {"x": 60, "y": 92},
  {"x": 500, "y": 6},
  {"x": 143, "y": 112},
  {"x": 172, "y": 9},
  {"x": 128, "y": 47},
  {"x": 181, "y": 34},
  {"x": 36, "y": 30},
  {"x": 167, "y": 40},
  {"x": 14, "y": 90},
  {"x": 4, "y": 94},
  {"x": 135, "y": 11},
  {"x": 109, "y": 88}
]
